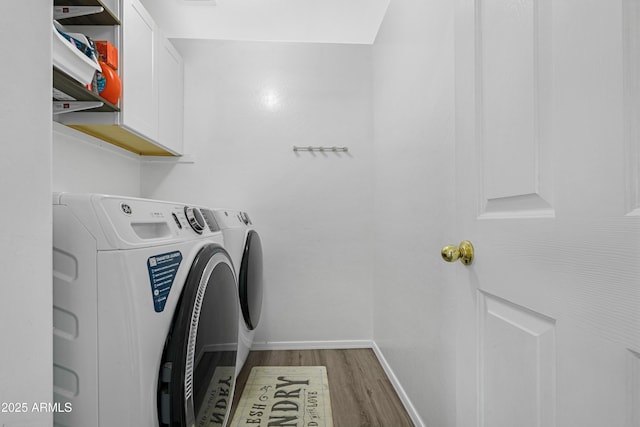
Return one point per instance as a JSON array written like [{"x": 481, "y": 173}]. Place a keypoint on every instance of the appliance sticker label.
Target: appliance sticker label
[{"x": 162, "y": 271}]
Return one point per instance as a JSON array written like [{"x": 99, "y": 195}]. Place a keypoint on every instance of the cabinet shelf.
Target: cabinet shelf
[
  {"x": 71, "y": 87},
  {"x": 105, "y": 17},
  {"x": 151, "y": 123}
]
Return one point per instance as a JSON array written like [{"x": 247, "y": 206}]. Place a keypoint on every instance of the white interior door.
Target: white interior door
[{"x": 547, "y": 121}]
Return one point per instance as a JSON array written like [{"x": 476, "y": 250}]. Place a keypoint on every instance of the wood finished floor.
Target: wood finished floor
[{"x": 361, "y": 394}]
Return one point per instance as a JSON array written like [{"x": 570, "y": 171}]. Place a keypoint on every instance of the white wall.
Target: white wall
[
  {"x": 25, "y": 217},
  {"x": 83, "y": 164},
  {"x": 246, "y": 105},
  {"x": 414, "y": 308}
]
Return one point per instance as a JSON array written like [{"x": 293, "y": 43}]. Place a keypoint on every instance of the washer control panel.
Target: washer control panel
[{"x": 119, "y": 222}]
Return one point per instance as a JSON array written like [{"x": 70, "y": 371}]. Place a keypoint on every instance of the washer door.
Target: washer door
[
  {"x": 250, "y": 280},
  {"x": 197, "y": 373}
]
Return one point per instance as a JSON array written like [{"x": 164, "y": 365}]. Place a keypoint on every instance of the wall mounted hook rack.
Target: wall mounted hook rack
[{"x": 322, "y": 149}]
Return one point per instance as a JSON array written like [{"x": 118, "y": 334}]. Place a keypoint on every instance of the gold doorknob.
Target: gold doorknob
[{"x": 463, "y": 252}]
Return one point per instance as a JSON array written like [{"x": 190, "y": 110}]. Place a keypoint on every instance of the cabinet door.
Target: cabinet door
[
  {"x": 171, "y": 94},
  {"x": 139, "y": 75}
]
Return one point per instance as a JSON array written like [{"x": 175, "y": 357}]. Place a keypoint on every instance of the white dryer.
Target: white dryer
[
  {"x": 145, "y": 313},
  {"x": 242, "y": 241}
]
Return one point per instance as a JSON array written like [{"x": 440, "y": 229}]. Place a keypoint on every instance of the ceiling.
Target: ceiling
[{"x": 313, "y": 21}]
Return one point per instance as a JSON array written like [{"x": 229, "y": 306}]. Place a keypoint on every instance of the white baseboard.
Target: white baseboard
[
  {"x": 411, "y": 410},
  {"x": 311, "y": 345},
  {"x": 319, "y": 345}
]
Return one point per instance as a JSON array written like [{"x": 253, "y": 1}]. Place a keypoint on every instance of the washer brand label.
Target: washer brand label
[
  {"x": 162, "y": 271},
  {"x": 126, "y": 208}
]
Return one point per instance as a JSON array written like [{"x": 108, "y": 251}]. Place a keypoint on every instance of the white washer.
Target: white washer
[
  {"x": 145, "y": 313},
  {"x": 244, "y": 245}
]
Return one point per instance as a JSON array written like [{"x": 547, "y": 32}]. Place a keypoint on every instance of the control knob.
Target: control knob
[{"x": 195, "y": 218}]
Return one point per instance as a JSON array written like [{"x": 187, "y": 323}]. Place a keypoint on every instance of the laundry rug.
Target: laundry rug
[
  {"x": 285, "y": 396},
  {"x": 216, "y": 398}
]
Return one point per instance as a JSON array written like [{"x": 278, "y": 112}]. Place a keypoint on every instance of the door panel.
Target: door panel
[
  {"x": 517, "y": 364},
  {"x": 547, "y": 124},
  {"x": 512, "y": 134},
  {"x": 631, "y": 76},
  {"x": 508, "y": 97},
  {"x": 633, "y": 409}
]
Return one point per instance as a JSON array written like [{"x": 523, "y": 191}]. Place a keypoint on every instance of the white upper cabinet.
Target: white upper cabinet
[
  {"x": 150, "y": 117},
  {"x": 138, "y": 71},
  {"x": 171, "y": 95}
]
